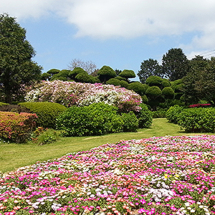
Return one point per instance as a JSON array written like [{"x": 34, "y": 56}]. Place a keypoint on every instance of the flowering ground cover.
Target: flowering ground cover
[{"x": 159, "y": 175}]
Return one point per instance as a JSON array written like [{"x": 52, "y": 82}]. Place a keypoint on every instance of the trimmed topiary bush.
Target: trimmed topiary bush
[
  {"x": 47, "y": 112},
  {"x": 130, "y": 122},
  {"x": 166, "y": 83},
  {"x": 153, "y": 92},
  {"x": 144, "y": 99},
  {"x": 76, "y": 71},
  {"x": 95, "y": 119},
  {"x": 168, "y": 93},
  {"x": 3, "y": 104},
  {"x": 144, "y": 116},
  {"x": 138, "y": 87},
  {"x": 124, "y": 84},
  {"x": 114, "y": 81},
  {"x": 127, "y": 74},
  {"x": 105, "y": 73},
  {"x": 154, "y": 81}
]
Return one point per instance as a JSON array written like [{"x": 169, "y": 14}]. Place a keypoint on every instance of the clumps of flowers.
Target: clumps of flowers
[
  {"x": 199, "y": 105},
  {"x": 84, "y": 94},
  {"x": 159, "y": 175}
]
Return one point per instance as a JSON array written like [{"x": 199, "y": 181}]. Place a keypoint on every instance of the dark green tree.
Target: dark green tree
[
  {"x": 105, "y": 73},
  {"x": 45, "y": 76},
  {"x": 148, "y": 68},
  {"x": 175, "y": 64},
  {"x": 16, "y": 67},
  {"x": 53, "y": 71}
]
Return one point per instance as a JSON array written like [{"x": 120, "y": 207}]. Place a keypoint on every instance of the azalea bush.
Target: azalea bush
[
  {"x": 17, "y": 127},
  {"x": 84, "y": 94},
  {"x": 159, "y": 175}
]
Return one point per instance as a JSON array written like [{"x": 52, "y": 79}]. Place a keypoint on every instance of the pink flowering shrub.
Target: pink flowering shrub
[
  {"x": 84, "y": 94},
  {"x": 16, "y": 127}
]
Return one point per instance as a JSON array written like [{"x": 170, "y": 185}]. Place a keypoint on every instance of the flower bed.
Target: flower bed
[
  {"x": 160, "y": 175},
  {"x": 84, "y": 94}
]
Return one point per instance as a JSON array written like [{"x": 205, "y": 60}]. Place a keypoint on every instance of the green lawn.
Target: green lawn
[{"x": 13, "y": 156}]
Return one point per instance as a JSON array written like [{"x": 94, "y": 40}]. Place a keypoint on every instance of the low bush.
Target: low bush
[
  {"x": 47, "y": 112},
  {"x": 17, "y": 127},
  {"x": 130, "y": 122},
  {"x": 43, "y": 136},
  {"x": 14, "y": 108},
  {"x": 173, "y": 112},
  {"x": 95, "y": 119},
  {"x": 3, "y": 104},
  {"x": 159, "y": 114},
  {"x": 144, "y": 116},
  {"x": 197, "y": 120},
  {"x": 138, "y": 87}
]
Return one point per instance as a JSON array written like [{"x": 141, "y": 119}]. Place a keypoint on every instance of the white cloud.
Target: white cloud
[{"x": 105, "y": 19}]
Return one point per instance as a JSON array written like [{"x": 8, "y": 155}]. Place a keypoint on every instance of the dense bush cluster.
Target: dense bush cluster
[
  {"x": 100, "y": 118},
  {"x": 47, "y": 112},
  {"x": 193, "y": 119}
]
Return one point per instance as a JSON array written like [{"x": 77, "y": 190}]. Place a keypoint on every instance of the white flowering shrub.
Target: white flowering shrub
[{"x": 84, "y": 94}]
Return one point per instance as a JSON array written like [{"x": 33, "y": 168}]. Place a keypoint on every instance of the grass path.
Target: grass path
[{"x": 13, "y": 156}]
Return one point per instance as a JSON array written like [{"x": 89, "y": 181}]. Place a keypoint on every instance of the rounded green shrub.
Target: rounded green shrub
[
  {"x": 47, "y": 112},
  {"x": 138, "y": 87},
  {"x": 144, "y": 116},
  {"x": 14, "y": 108},
  {"x": 168, "y": 93},
  {"x": 95, "y": 119},
  {"x": 154, "y": 81},
  {"x": 153, "y": 92},
  {"x": 120, "y": 78},
  {"x": 105, "y": 73},
  {"x": 130, "y": 122},
  {"x": 113, "y": 81},
  {"x": 166, "y": 83},
  {"x": 2, "y": 104},
  {"x": 144, "y": 99},
  {"x": 76, "y": 71},
  {"x": 84, "y": 77},
  {"x": 124, "y": 84},
  {"x": 127, "y": 74}
]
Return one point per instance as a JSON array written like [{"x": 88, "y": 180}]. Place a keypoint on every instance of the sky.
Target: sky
[{"x": 117, "y": 33}]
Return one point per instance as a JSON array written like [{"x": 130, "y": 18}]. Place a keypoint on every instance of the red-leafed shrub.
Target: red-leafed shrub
[
  {"x": 199, "y": 105},
  {"x": 16, "y": 127}
]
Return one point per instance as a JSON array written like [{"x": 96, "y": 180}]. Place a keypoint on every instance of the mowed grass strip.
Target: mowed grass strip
[{"x": 13, "y": 156}]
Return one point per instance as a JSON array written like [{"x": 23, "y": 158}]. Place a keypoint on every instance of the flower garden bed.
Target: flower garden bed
[{"x": 159, "y": 175}]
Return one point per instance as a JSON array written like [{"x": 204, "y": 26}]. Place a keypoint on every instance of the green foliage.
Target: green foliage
[
  {"x": 43, "y": 136},
  {"x": 153, "y": 92},
  {"x": 114, "y": 81},
  {"x": 14, "y": 108},
  {"x": 124, "y": 84},
  {"x": 95, "y": 119},
  {"x": 175, "y": 64},
  {"x": 63, "y": 75},
  {"x": 45, "y": 76},
  {"x": 138, "y": 87},
  {"x": 47, "y": 112},
  {"x": 144, "y": 116},
  {"x": 149, "y": 68},
  {"x": 154, "y": 81},
  {"x": 173, "y": 113},
  {"x": 16, "y": 66},
  {"x": 145, "y": 99},
  {"x": 197, "y": 119},
  {"x": 130, "y": 122},
  {"x": 105, "y": 73},
  {"x": 84, "y": 78},
  {"x": 159, "y": 114},
  {"x": 2, "y": 104},
  {"x": 120, "y": 78},
  {"x": 76, "y": 71},
  {"x": 53, "y": 71},
  {"x": 16, "y": 127},
  {"x": 127, "y": 74},
  {"x": 166, "y": 83},
  {"x": 168, "y": 93}
]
